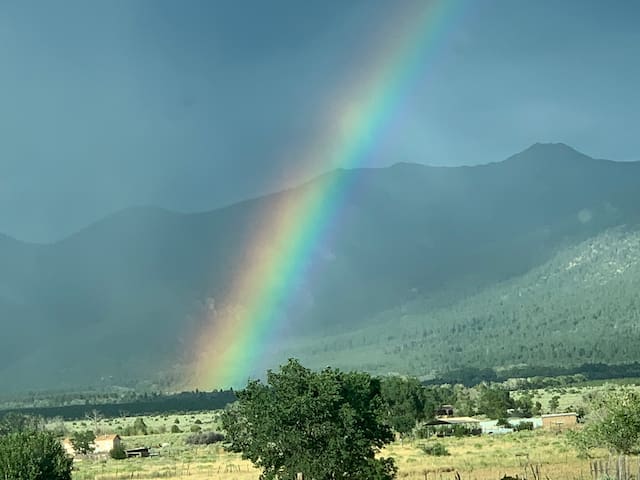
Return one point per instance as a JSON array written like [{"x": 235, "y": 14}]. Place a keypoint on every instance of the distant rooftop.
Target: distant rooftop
[{"x": 549, "y": 415}]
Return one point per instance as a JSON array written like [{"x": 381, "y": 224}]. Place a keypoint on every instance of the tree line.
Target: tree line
[{"x": 151, "y": 404}]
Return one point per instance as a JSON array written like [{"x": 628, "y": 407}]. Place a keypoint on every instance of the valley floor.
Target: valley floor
[{"x": 537, "y": 454}]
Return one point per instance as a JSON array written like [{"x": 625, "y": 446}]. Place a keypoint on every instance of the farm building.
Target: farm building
[
  {"x": 446, "y": 426},
  {"x": 102, "y": 444},
  {"x": 559, "y": 421},
  {"x": 455, "y": 421},
  {"x": 445, "y": 411},
  {"x": 106, "y": 443},
  {"x": 491, "y": 427},
  {"x": 138, "y": 452}
]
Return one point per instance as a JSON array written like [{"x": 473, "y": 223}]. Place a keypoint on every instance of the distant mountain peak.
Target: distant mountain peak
[
  {"x": 549, "y": 153},
  {"x": 555, "y": 148}
]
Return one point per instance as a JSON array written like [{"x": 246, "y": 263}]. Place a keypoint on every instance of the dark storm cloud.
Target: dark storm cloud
[{"x": 189, "y": 105}]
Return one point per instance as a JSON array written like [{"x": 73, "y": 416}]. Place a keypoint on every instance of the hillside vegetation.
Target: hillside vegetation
[{"x": 580, "y": 307}]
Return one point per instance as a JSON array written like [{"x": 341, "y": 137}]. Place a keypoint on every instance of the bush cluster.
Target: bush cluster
[
  {"x": 436, "y": 449},
  {"x": 204, "y": 438},
  {"x": 118, "y": 453},
  {"x": 523, "y": 426}
]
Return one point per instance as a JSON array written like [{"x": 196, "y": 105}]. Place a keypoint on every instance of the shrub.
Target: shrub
[
  {"x": 503, "y": 422},
  {"x": 198, "y": 422},
  {"x": 464, "y": 431},
  {"x": 436, "y": 449},
  {"x": 175, "y": 429},
  {"x": 118, "y": 453},
  {"x": 447, "y": 431},
  {"x": 204, "y": 438},
  {"x": 523, "y": 426}
]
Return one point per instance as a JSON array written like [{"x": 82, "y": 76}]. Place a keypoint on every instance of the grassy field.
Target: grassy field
[
  {"x": 538, "y": 454},
  {"x": 479, "y": 458},
  {"x": 156, "y": 424},
  {"x": 574, "y": 397}
]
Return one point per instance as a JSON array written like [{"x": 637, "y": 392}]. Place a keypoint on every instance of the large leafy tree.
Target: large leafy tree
[
  {"x": 614, "y": 423},
  {"x": 326, "y": 425},
  {"x": 406, "y": 402},
  {"x": 33, "y": 455}
]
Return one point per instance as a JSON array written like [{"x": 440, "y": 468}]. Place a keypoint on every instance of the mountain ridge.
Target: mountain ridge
[
  {"x": 138, "y": 284},
  {"x": 535, "y": 152}
]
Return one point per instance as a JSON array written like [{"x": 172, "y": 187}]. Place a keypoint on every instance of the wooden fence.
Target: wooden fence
[{"x": 622, "y": 467}]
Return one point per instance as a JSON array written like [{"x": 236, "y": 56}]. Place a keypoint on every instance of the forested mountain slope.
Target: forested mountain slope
[{"x": 580, "y": 307}]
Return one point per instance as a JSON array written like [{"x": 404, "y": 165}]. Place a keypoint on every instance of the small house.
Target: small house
[
  {"x": 106, "y": 443},
  {"x": 559, "y": 421}
]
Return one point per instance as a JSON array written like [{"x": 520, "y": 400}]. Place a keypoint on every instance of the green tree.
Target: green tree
[
  {"x": 325, "y": 425},
  {"x": 140, "y": 427},
  {"x": 524, "y": 405},
  {"x": 464, "y": 405},
  {"x": 537, "y": 408},
  {"x": 83, "y": 442},
  {"x": 554, "y": 403},
  {"x": 118, "y": 452},
  {"x": 16, "y": 422},
  {"x": 33, "y": 455},
  {"x": 494, "y": 401},
  {"x": 406, "y": 401},
  {"x": 614, "y": 423}
]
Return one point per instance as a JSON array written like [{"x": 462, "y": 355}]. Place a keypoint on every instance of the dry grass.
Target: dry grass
[
  {"x": 474, "y": 458},
  {"x": 492, "y": 457}
]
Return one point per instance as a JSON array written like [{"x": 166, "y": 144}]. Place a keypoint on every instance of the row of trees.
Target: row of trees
[
  {"x": 408, "y": 402},
  {"x": 142, "y": 405}
]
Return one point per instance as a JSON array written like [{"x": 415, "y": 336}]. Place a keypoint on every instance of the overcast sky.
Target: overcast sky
[{"x": 191, "y": 104}]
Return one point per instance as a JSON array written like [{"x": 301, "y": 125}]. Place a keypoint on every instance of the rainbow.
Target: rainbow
[{"x": 228, "y": 349}]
